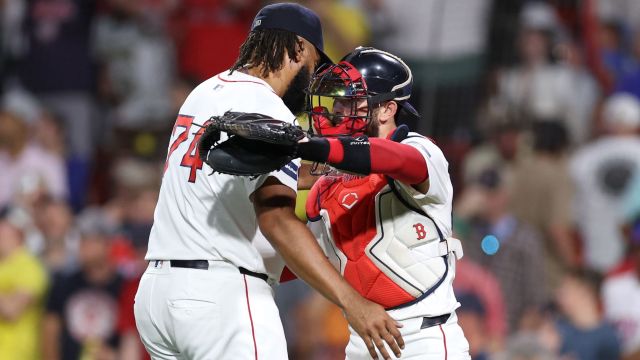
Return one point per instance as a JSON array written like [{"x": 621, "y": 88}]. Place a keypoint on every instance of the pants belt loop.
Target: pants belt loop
[
  {"x": 428, "y": 322},
  {"x": 244, "y": 271}
]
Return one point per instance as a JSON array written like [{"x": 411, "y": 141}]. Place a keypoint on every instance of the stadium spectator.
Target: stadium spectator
[
  {"x": 472, "y": 318},
  {"x": 625, "y": 11},
  {"x": 541, "y": 196},
  {"x": 57, "y": 66},
  {"x": 621, "y": 294},
  {"x": 136, "y": 59},
  {"x": 135, "y": 228},
  {"x": 180, "y": 89},
  {"x": 602, "y": 172},
  {"x": 505, "y": 143},
  {"x": 23, "y": 284},
  {"x": 127, "y": 177},
  {"x": 629, "y": 81},
  {"x": 82, "y": 309},
  {"x": 11, "y": 41},
  {"x": 514, "y": 248},
  {"x": 443, "y": 42},
  {"x": 55, "y": 222},
  {"x": 538, "y": 87},
  {"x": 48, "y": 133},
  {"x": 613, "y": 55},
  {"x": 132, "y": 248},
  {"x": 585, "y": 91},
  {"x": 25, "y": 166},
  {"x": 585, "y": 334},
  {"x": 540, "y": 340},
  {"x": 479, "y": 282},
  {"x": 631, "y": 203},
  {"x": 130, "y": 347}
]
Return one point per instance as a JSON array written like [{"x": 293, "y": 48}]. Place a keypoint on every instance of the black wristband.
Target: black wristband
[
  {"x": 357, "y": 155},
  {"x": 316, "y": 150}
]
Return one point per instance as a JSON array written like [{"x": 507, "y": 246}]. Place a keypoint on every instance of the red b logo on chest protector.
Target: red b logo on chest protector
[{"x": 420, "y": 231}]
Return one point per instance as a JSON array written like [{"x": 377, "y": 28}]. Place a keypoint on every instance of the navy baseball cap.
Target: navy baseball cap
[{"x": 296, "y": 19}]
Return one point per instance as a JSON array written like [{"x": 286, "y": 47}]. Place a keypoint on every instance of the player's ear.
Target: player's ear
[
  {"x": 301, "y": 46},
  {"x": 388, "y": 111}
]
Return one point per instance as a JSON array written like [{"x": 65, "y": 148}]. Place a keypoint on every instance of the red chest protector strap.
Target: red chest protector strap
[{"x": 314, "y": 197}]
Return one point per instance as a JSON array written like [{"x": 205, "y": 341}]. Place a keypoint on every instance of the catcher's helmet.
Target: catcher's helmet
[{"x": 363, "y": 79}]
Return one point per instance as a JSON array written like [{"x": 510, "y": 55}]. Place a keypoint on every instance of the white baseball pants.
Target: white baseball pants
[
  {"x": 207, "y": 314},
  {"x": 440, "y": 342}
]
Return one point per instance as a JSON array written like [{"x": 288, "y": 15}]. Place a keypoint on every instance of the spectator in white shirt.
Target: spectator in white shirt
[
  {"x": 26, "y": 168},
  {"x": 602, "y": 172}
]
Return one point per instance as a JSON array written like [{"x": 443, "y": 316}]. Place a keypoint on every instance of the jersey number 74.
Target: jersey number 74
[{"x": 191, "y": 158}]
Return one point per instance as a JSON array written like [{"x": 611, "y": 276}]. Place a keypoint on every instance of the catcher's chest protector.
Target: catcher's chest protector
[{"x": 387, "y": 252}]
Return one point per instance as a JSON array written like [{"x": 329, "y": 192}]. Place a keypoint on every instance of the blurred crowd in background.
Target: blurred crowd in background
[{"x": 535, "y": 104}]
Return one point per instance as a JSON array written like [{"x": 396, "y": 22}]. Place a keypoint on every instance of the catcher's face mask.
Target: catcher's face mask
[{"x": 340, "y": 102}]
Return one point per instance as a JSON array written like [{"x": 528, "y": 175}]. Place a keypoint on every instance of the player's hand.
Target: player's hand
[{"x": 375, "y": 327}]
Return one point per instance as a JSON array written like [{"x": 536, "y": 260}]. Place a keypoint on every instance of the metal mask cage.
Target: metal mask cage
[{"x": 338, "y": 85}]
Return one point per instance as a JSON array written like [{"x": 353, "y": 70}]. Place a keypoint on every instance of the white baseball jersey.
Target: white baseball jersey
[
  {"x": 210, "y": 217},
  {"x": 219, "y": 313},
  {"x": 437, "y": 203},
  {"x": 399, "y": 260}
]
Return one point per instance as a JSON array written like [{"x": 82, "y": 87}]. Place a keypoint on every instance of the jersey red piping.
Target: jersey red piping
[
  {"x": 253, "y": 334},
  {"x": 444, "y": 340},
  {"x": 245, "y": 81}
]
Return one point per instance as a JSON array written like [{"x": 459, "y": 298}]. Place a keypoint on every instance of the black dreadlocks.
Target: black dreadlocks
[{"x": 266, "y": 48}]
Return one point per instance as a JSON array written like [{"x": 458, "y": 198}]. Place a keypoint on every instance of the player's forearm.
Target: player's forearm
[
  {"x": 274, "y": 205},
  {"x": 368, "y": 156},
  {"x": 299, "y": 249},
  {"x": 305, "y": 179},
  {"x": 305, "y": 258}
]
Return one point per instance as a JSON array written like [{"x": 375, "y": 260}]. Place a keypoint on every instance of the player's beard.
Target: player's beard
[
  {"x": 294, "y": 97},
  {"x": 373, "y": 127}
]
